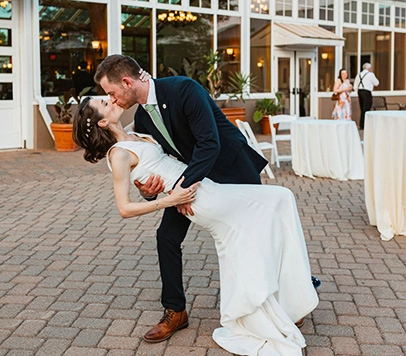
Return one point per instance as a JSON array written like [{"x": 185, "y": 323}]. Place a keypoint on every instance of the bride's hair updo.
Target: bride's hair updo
[{"x": 88, "y": 134}]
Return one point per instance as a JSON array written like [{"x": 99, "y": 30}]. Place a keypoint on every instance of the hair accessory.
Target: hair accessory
[{"x": 88, "y": 124}]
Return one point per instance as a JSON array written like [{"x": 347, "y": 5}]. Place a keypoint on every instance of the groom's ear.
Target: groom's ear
[{"x": 126, "y": 82}]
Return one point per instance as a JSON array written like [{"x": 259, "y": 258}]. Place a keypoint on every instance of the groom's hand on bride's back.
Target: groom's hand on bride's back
[{"x": 152, "y": 187}]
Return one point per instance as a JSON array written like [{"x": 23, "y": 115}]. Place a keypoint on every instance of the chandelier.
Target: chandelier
[
  {"x": 177, "y": 17},
  {"x": 4, "y": 4}
]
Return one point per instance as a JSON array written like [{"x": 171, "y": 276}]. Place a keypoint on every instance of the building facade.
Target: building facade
[{"x": 291, "y": 47}]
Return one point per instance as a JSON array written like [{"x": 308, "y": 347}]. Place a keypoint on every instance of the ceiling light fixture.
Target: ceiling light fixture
[{"x": 177, "y": 17}]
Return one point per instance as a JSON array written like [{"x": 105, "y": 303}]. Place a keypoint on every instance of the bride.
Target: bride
[{"x": 265, "y": 280}]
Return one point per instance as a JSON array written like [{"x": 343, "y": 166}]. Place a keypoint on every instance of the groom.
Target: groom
[{"x": 196, "y": 132}]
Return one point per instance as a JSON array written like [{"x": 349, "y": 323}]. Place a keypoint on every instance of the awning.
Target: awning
[{"x": 288, "y": 35}]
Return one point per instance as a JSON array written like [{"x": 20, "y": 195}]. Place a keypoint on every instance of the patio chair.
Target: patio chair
[{"x": 246, "y": 130}]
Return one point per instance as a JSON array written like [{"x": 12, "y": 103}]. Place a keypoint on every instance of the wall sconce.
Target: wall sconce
[
  {"x": 230, "y": 52},
  {"x": 97, "y": 46},
  {"x": 324, "y": 56},
  {"x": 260, "y": 63}
]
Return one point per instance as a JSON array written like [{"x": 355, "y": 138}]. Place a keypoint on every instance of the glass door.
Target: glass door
[
  {"x": 10, "y": 116},
  {"x": 294, "y": 81}
]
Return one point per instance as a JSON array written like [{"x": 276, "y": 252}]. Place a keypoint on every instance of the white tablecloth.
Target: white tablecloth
[
  {"x": 327, "y": 148},
  {"x": 385, "y": 171}
]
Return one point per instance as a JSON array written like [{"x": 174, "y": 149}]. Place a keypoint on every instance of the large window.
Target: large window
[
  {"x": 136, "y": 34},
  {"x": 182, "y": 46},
  {"x": 229, "y": 45},
  {"x": 400, "y": 61},
  {"x": 375, "y": 46},
  {"x": 260, "y": 50},
  {"x": 350, "y": 50},
  {"x": 71, "y": 33},
  {"x": 326, "y": 68}
]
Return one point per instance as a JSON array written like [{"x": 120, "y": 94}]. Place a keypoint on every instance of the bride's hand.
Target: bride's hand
[
  {"x": 182, "y": 197},
  {"x": 144, "y": 75}
]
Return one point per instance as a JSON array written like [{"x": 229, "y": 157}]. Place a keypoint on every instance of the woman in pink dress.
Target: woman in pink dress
[{"x": 342, "y": 107}]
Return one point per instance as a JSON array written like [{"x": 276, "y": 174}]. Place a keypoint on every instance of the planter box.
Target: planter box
[{"x": 233, "y": 114}]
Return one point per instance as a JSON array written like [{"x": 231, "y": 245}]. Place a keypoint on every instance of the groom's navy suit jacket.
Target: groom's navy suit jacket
[{"x": 208, "y": 142}]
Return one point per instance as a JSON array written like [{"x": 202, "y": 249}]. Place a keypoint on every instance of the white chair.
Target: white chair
[
  {"x": 246, "y": 130},
  {"x": 284, "y": 124}
]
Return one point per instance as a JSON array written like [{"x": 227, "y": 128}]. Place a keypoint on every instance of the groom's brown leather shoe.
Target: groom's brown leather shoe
[
  {"x": 300, "y": 323},
  {"x": 171, "y": 321}
]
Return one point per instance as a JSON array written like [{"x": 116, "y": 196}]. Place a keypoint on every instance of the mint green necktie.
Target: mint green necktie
[{"x": 160, "y": 125}]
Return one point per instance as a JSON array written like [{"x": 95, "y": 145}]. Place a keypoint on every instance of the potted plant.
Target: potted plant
[
  {"x": 264, "y": 108},
  {"x": 239, "y": 84},
  {"x": 61, "y": 125}
]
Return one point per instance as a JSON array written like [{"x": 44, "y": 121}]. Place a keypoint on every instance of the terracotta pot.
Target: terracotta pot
[
  {"x": 63, "y": 137},
  {"x": 265, "y": 127},
  {"x": 233, "y": 114}
]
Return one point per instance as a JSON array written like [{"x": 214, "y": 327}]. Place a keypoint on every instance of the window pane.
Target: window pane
[
  {"x": 384, "y": 15},
  {"x": 326, "y": 10},
  {"x": 6, "y": 91},
  {"x": 306, "y": 9},
  {"x": 5, "y": 10},
  {"x": 73, "y": 38},
  {"x": 228, "y": 5},
  {"x": 181, "y": 47},
  {"x": 260, "y": 44},
  {"x": 229, "y": 29},
  {"x": 326, "y": 68},
  {"x": 400, "y": 17},
  {"x": 201, "y": 3},
  {"x": 350, "y": 52},
  {"x": 283, "y": 8},
  {"x": 375, "y": 46},
  {"x": 136, "y": 38},
  {"x": 260, "y": 6},
  {"x": 400, "y": 61},
  {"x": 6, "y": 64},
  {"x": 5, "y": 37}
]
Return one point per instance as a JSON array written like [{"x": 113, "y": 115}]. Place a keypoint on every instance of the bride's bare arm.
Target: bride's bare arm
[{"x": 121, "y": 163}]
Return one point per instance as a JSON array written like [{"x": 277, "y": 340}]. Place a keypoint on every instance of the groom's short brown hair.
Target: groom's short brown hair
[{"x": 115, "y": 67}]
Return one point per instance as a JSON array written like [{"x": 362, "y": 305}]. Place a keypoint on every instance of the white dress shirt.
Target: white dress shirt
[{"x": 369, "y": 80}]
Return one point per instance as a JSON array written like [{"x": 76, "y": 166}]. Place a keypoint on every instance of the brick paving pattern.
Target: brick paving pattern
[{"x": 77, "y": 279}]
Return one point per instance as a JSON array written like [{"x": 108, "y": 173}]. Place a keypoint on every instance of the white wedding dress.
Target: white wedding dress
[{"x": 265, "y": 279}]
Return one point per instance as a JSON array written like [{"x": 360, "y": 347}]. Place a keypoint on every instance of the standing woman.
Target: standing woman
[{"x": 342, "y": 107}]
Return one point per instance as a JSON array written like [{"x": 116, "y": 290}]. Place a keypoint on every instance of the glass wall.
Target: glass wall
[
  {"x": 136, "y": 34},
  {"x": 400, "y": 61},
  {"x": 182, "y": 47},
  {"x": 260, "y": 54},
  {"x": 228, "y": 35},
  {"x": 375, "y": 49},
  {"x": 350, "y": 52},
  {"x": 326, "y": 68},
  {"x": 73, "y": 38}
]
